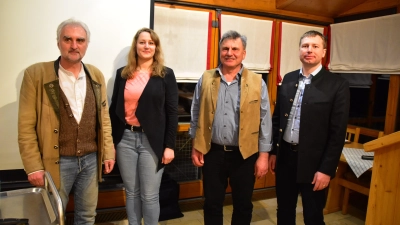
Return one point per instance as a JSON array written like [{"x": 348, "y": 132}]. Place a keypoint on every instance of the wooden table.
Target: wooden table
[{"x": 335, "y": 192}]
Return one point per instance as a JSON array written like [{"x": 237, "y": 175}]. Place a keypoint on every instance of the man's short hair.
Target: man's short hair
[
  {"x": 313, "y": 33},
  {"x": 233, "y": 35},
  {"x": 73, "y": 22}
]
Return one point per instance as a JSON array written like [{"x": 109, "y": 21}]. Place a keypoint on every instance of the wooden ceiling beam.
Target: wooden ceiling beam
[
  {"x": 320, "y": 8},
  {"x": 370, "y": 6},
  {"x": 282, "y": 4}
]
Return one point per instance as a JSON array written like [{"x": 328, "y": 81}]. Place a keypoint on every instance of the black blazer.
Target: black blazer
[
  {"x": 324, "y": 115},
  {"x": 157, "y": 111}
]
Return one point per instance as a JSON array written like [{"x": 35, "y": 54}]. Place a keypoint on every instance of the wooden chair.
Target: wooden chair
[
  {"x": 364, "y": 131},
  {"x": 353, "y": 134},
  {"x": 349, "y": 181}
]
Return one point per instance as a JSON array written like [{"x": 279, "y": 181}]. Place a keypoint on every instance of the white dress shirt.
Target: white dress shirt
[
  {"x": 291, "y": 134},
  {"x": 74, "y": 89}
]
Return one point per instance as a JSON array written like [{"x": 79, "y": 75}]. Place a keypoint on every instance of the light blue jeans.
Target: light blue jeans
[
  {"x": 80, "y": 174},
  {"x": 138, "y": 167}
]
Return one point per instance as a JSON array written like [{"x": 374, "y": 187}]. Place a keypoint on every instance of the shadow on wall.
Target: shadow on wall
[
  {"x": 9, "y": 154},
  {"x": 119, "y": 62}
]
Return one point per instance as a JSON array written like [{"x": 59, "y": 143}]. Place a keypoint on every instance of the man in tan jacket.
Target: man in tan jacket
[
  {"x": 231, "y": 130},
  {"x": 63, "y": 122}
]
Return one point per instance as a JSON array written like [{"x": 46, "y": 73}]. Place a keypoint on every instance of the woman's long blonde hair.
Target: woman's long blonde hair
[{"x": 158, "y": 58}]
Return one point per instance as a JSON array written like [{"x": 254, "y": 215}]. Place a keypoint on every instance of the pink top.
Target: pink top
[{"x": 133, "y": 90}]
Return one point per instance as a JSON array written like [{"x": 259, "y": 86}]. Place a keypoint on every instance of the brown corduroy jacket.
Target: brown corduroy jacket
[{"x": 38, "y": 118}]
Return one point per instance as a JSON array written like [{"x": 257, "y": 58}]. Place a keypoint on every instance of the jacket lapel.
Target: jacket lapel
[
  {"x": 96, "y": 89},
  {"x": 120, "y": 108},
  {"x": 244, "y": 87},
  {"x": 53, "y": 92},
  {"x": 214, "y": 89}
]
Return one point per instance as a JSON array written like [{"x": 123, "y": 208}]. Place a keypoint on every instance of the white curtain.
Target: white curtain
[
  {"x": 289, "y": 47},
  {"x": 366, "y": 46},
  {"x": 184, "y": 38},
  {"x": 259, "y": 34}
]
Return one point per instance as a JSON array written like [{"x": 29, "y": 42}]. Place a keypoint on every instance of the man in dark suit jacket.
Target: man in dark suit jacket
[{"x": 309, "y": 127}]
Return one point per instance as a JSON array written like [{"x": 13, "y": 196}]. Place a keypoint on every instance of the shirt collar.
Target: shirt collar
[
  {"x": 81, "y": 73},
  {"x": 238, "y": 75},
  {"x": 315, "y": 72}
]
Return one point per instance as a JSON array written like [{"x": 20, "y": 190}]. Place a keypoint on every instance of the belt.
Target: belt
[
  {"x": 226, "y": 148},
  {"x": 293, "y": 147},
  {"x": 134, "y": 128}
]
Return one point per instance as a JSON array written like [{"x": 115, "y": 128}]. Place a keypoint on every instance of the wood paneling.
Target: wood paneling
[
  {"x": 264, "y": 6},
  {"x": 273, "y": 73},
  {"x": 322, "y": 11},
  {"x": 321, "y": 8},
  {"x": 190, "y": 189},
  {"x": 107, "y": 199},
  {"x": 182, "y": 127},
  {"x": 260, "y": 183},
  {"x": 371, "y": 5},
  {"x": 269, "y": 180},
  {"x": 336, "y": 8},
  {"x": 384, "y": 195},
  {"x": 392, "y": 104}
]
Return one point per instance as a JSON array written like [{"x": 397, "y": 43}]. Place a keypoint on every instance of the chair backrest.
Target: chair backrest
[
  {"x": 353, "y": 134},
  {"x": 368, "y": 132}
]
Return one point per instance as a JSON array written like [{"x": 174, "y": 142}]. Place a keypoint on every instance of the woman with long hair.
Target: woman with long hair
[{"x": 144, "y": 124}]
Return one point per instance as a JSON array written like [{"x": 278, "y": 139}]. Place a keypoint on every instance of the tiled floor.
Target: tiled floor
[{"x": 264, "y": 213}]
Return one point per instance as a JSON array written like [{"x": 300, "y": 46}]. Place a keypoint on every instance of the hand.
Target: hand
[
  {"x": 37, "y": 178},
  {"x": 108, "y": 166},
  {"x": 272, "y": 163},
  {"x": 168, "y": 156},
  {"x": 261, "y": 167},
  {"x": 197, "y": 158},
  {"x": 320, "y": 181}
]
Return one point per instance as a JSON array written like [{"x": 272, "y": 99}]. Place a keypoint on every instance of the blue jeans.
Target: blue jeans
[
  {"x": 80, "y": 174},
  {"x": 138, "y": 167}
]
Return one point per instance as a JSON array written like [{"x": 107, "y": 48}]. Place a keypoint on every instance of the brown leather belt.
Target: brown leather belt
[
  {"x": 227, "y": 148},
  {"x": 134, "y": 128}
]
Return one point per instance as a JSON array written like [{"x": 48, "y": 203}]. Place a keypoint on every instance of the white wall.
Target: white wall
[{"x": 28, "y": 36}]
